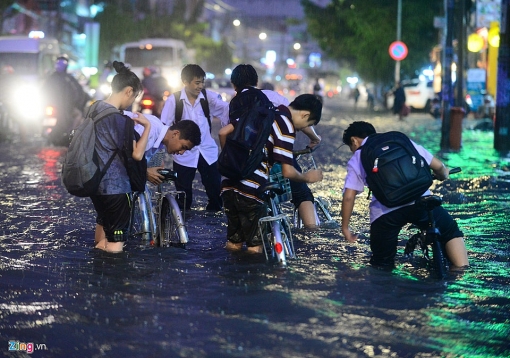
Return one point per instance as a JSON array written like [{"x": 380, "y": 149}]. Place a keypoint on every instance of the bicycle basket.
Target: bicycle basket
[
  {"x": 276, "y": 176},
  {"x": 157, "y": 159}
]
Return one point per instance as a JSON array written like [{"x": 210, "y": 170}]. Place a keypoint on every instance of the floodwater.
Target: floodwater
[{"x": 69, "y": 300}]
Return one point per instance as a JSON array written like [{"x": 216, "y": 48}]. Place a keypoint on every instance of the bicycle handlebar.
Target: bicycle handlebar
[
  {"x": 455, "y": 170},
  {"x": 451, "y": 171},
  {"x": 306, "y": 150},
  {"x": 169, "y": 175}
]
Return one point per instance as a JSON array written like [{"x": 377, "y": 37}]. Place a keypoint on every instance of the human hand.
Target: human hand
[
  {"x": 141, "y": 119},
  {"x": 153, "y": 176},
  {"x": 349, "y": 236},
  {"x": 315, "y": 143}
]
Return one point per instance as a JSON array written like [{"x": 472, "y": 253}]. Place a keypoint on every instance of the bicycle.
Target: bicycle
[
  {"x": 429, "y": 236},
  {"x": 275, "y": 228},
  {"x": 157, "y": 218},
  {"x": 322, "y": 215}
]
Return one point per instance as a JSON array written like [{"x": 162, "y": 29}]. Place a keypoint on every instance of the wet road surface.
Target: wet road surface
[{"x": 70, "y": 300}]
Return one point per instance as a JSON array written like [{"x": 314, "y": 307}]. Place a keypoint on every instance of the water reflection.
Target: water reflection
[{"x": 56, "y": 290}]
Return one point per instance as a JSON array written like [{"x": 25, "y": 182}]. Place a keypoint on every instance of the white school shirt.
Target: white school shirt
[
  {"x": 356, "y": 180},
  {"x": 156, "y": 134},
  {"x": 208, "y": 147},
  {"x": 276, "y": 98}
]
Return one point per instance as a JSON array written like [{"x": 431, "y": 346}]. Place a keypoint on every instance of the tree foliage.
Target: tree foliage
[{"x": 358, "y": 33}]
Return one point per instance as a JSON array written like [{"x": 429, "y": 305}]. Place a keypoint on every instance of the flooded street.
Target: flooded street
[{"x": 70, "y": 300}]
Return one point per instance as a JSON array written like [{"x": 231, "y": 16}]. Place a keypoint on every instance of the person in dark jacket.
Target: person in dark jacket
[
  {"x": 399, "y": 100},
  {"x": 65, "y": 94}
]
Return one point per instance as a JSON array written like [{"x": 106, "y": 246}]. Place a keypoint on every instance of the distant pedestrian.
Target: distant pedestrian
[
  {"x": 370, "y": 100},
  {"x": 355, "y": 95},
  {"x": 399, "y": 101},
  {"x": 317, "y": 89}
]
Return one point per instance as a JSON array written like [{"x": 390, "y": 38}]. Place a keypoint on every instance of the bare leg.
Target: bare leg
[
  {"x": 103, "y": 244},
  {"x": 99, "y": 237},
  {"x": 307, "y": 214},
  {"x": 456, "y": 251}
]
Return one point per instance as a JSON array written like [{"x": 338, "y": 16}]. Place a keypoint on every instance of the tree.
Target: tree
[{"x": 358, "y": 33}]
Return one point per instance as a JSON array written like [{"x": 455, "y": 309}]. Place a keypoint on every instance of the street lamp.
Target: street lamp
[{"x": 262, "y": 36}]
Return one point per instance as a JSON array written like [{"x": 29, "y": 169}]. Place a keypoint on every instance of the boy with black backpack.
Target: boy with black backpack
[
  {"x": 397, "y": 171},
  {"x": 241, "y": 198},
  {"x": 196, "y": 103}
]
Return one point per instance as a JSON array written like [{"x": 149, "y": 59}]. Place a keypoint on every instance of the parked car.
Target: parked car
[{"x": 419, "y": 94}]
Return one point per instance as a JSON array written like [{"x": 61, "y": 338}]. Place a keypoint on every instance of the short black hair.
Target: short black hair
[
  {"x": 359, "y": 129},
  {"x": 308, "y": 102},
  {"x": 189, "y": 130},
  {"x": 244, "y": 76},
  {"x": 189, "y": 72}
]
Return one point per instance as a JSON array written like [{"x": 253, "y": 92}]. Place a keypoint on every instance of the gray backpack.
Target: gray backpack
[{"x": 81, "y": 174}]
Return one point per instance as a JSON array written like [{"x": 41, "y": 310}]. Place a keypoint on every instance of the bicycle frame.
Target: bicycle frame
[
  {"x": 321, "y": 204},
  {"x": 160, "y": 222},
  {"x": 430, "y": 235}
]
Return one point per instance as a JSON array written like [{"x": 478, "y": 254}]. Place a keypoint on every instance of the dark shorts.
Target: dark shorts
[
  {"x": 384, "y": 231},
  {"x": 113, "y": 213},
  {"x": 300, "y": 191},
  {"x": 243, "y": 216}
]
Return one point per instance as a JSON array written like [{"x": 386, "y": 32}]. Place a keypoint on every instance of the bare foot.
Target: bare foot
[{"x": 113, "y": 247}]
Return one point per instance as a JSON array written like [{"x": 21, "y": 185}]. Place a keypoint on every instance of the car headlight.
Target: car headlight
[
  {"x": 106, "y": 89},
  {"x": 174, "y": 82},
  {"x": 26, "y": 99}
]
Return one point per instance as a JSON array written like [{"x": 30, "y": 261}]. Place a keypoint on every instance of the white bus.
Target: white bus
[{"x": 168, "y": 55}]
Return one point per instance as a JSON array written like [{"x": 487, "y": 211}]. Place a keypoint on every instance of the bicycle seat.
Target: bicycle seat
[
  {"x": 169, "y": 175},
  {"x": 429, "y": 202}
]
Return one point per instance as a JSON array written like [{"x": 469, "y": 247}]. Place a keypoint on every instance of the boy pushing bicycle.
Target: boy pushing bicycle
[{"x": 386, "y": 222}]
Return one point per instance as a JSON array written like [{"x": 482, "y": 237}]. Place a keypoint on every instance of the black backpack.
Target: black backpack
[
  {"x": 136, "y": 169},
  {"x": 80, "y": 170},
  {"x": 244, "y": 148},
  {"x": 179, "y": 107},
  {"x": 396, "y": 173}
]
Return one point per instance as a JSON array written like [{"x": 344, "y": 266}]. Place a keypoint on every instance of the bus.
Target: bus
[{"x": 167, "y": 55}]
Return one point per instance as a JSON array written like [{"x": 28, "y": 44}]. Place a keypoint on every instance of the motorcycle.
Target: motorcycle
[
  {"x": 57, "y": 128},
  {"x": 150, "y": 104}
]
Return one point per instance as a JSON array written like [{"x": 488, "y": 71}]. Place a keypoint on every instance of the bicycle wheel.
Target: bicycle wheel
[
  {"x": 142, "y": 221},
  {"x": 439, "y": 260},
  {"x": 172, "y": 230}
]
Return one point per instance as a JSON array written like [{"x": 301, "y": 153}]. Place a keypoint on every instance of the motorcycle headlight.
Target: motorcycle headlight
[{"x": 26, "y": 99}]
